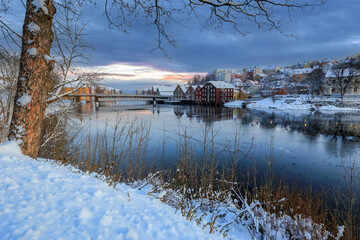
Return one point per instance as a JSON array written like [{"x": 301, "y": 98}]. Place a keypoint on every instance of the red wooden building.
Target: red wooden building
[
  {"x": 217, "y": 93},
  {"x": 198, "y": 91}
]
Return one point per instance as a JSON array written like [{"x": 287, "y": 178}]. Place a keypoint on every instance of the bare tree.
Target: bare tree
[
  {"x": 217, "y": 13},
  {"x": 346, "y": 74},
  {"x": 69, "y": 51},
  {"x": 36, "y": 66},
  {"x": 9, "y": 68},
  {"x": 8, "y": 34},
  {"x": 316, "y": 80}
]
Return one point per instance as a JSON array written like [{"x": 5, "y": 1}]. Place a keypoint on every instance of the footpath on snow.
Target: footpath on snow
[{"x": 42, "y": 200}]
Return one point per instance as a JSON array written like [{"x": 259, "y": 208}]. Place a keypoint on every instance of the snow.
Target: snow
[
  {"x": 220, "y": 84},
  {"x": 40, "y": 4},
  {"x": 10, "y": 148},
  {"x": 48, "y": 58},
  {"x": 291, "y": 104},
  {"x": 165, "y": 90},
  {"x": 347, "y": 72},
  {"x": 33, "y": 28},
  {"x": 24, "y": 100},
  {"x": 42, "y": 200},
  {"x": 32, "y": 51},
  {"x": 58, "y": 107},
  {"x": 299, "y": 70}
]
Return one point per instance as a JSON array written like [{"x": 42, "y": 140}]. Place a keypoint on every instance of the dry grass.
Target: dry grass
[{"x": 120, "y": 153}]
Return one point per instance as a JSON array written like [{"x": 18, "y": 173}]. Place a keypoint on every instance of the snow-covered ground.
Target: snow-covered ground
[
  {"x": 42, "y": 200},
  {"x": 293, "y": 103}
]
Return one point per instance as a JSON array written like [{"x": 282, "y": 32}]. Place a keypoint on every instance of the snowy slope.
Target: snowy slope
[{"x": 41, "y": 200}]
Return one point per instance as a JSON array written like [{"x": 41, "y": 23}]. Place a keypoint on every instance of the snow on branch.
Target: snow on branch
[
  {"x": 33, "y": 28},
  {"x": 32, "y": 51},
  {"x": 24, "y": 100},
  {"x": 40, "y": 4}
]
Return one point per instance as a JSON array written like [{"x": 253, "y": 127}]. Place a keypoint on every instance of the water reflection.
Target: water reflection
[
  {"x": 344, "y": 125},
  {"x": 309, "y": 146},
  {"x": 204, "y": 113},
  {"x": 337, "y": 124}
]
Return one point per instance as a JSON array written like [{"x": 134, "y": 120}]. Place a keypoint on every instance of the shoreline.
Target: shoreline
[{"x": 300, "y": 103}]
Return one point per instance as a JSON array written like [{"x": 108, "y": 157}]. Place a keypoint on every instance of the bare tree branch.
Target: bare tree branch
[
  {"x": 235, "y": 13},
  {"x": 70, "y": 50}
]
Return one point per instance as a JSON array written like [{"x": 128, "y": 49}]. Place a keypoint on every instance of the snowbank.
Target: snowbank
[
  {"x": 42, "y": 200},
  {"x": 293, "y": 103}
]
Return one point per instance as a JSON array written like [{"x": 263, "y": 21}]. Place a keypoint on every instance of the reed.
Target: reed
[{"x": 204, "y": 180}]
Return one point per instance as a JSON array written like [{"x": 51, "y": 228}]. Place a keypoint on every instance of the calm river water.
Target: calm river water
[{"x": 308, "y": 147}]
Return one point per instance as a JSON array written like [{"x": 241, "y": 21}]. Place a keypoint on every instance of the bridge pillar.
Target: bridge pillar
[
  {"x": 96, "y": 100},
  {"x": 154, "y": 101}
]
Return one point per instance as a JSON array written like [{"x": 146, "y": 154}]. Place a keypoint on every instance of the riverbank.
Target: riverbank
[
  {"x": 301, "y": 103},
  {"x": 42, "y": 200}
]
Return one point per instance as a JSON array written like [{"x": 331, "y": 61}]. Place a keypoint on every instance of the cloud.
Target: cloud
[
  {"x": 329, "y": 31},
  {"x": 134, "y": 76},
  {"x": 317, "y": 31}
]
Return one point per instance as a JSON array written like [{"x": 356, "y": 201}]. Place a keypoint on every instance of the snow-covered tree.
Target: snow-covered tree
[{"x": 34, "y": 76}]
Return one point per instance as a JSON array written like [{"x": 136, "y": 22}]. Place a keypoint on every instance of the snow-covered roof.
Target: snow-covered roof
[
  {"x": 331, "y": 74},
  {"x": 184, "y": 88},
  {"x": 166, "y": 90},
  {"x": 300, "y": 70},
  {"x": 262, "y": 74},
  {"x": 220, "y": 84},
  {"x": 253, "y": 82}
]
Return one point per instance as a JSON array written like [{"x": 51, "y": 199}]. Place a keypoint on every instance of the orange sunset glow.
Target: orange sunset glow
[{"x": 130, "y": 72}]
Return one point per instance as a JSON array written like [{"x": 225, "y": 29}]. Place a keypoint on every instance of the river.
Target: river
[{"x": 307, "y": 148}]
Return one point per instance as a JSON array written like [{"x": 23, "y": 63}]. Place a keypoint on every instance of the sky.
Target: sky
[{"x": 330, "y": 31}]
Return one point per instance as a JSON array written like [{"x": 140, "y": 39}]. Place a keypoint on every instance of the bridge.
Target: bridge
[{"x": 121, "y": 97}]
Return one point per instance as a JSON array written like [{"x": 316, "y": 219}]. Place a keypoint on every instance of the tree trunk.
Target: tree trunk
[{"x": 34, "y": 76}]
